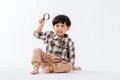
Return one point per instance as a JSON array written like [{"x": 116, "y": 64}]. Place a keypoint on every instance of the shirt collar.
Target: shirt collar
[{"x": 57, "y": 37}]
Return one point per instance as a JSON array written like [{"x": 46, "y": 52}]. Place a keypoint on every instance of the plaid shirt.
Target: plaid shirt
[{"x": 63, "y": 48}]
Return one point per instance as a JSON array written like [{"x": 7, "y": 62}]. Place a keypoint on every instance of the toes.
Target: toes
[{"x": 35, "y": 72}]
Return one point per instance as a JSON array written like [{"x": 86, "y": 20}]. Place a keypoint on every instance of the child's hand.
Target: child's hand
[
  {"x": 76, "y": 68},
  {"x": 41, "y": 22}
]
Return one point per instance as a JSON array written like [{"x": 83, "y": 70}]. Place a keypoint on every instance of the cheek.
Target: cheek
[{"x": 66, "y": 29}]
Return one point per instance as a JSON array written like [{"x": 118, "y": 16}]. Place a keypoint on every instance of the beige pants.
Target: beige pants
[{"x": 50, "y": 60}]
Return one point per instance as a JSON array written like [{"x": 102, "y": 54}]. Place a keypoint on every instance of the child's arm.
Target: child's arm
[
  {"x": 39, "y": 34},
  {"x": 41, "y": 22}
]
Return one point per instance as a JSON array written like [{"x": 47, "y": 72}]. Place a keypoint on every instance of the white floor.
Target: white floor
[{"x": 24, "y": 74}]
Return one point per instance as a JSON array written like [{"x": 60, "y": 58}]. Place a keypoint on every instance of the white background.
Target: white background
[{"x": 95, "y": 30}]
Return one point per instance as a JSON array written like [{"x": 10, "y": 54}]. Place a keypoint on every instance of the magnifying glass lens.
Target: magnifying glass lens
[{"x": 46, "y": 16}]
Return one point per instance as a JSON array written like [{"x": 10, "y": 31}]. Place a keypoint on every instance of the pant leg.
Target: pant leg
[
  {"x": 60, "y": 65},
  {"x": 36, "y": 55},
  {"x": 40, "y": 58},
  {"x": 50, "y": 60}
]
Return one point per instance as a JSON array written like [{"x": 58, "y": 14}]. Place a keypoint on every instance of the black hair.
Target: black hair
[{"x": 61, "y": 19}]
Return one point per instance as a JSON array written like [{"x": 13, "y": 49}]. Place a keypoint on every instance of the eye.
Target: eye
[{"x": 57, "y": 25}]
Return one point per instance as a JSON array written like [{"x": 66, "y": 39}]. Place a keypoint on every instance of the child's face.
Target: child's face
[{"x": 60, "y": 29}]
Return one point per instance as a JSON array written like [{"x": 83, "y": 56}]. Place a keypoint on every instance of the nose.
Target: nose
[{"x": 59, "y": 27}]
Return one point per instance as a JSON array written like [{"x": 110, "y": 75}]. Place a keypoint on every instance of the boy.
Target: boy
[{"x": 60, "y": 50}]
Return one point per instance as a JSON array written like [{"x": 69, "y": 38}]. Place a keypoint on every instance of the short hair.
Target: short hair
[{"x": 61, "y": 19}]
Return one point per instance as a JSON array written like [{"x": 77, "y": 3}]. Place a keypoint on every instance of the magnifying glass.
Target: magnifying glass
[{"x": 46, "y": 16}]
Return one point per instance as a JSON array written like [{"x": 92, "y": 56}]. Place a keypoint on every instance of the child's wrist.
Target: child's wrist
[{"x": 41, "y": 25}]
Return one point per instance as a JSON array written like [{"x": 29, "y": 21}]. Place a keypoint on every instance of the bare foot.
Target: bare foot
[
  {"x": 77, "y": 68},
  {"x": 46, "y": 69},
  {"x": 35, "y": 71}
]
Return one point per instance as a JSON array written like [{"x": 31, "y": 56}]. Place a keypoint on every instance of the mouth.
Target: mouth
[{"x": 59, "y": 32}]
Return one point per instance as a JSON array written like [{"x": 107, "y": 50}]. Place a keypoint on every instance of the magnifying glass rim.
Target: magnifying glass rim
[{"x": 48, "y": 16}]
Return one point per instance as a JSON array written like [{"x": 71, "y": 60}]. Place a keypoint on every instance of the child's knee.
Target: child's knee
[
  {"x": 36, "y": 55},
  {"x": 37, "y": 50}
]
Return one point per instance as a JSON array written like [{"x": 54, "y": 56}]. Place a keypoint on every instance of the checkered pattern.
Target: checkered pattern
[{"x": 63, "y": 48}]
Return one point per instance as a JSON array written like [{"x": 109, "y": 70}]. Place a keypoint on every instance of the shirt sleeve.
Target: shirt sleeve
[
  {"x": 42, "y": 35},
  {"x": 72, "y": 52}
]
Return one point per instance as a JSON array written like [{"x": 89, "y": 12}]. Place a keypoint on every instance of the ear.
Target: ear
[{"x": 53, "y": 27}]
